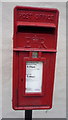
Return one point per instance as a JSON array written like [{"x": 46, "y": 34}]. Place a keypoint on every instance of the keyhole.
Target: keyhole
[{"x": 22, "y": 79}]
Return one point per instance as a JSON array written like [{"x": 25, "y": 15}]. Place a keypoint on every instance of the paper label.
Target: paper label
[{"x": 34, "y": 77}]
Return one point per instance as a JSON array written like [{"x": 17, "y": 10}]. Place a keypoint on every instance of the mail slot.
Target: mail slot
[{"x": 34, "y": 55}]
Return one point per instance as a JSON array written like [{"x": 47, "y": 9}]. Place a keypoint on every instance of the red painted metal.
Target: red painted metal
[{"x": 35, "y": 29}]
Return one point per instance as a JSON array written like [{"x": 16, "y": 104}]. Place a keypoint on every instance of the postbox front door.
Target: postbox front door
[{"x": 34, "y": 54}]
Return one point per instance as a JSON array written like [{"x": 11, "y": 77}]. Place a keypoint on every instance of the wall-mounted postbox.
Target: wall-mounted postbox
[{"x": 34, "y": 55}]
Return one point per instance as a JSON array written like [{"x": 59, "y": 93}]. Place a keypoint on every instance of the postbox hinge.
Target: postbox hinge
[
  {"x": 17, "y": 95},
  {"x": 17, "y": 92}
]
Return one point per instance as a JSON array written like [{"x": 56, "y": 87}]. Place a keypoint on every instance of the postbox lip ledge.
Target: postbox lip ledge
[
  {"x": 32, "y": 108},
  {"x": 33, "y": 49},
  {"x": 36, "y": 24},
  {"x": 37, "y": 8}
]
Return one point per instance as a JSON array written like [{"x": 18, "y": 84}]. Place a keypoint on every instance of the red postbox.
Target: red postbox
[{"x": 34, "y": 55}]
